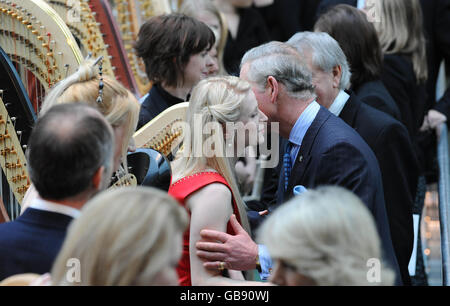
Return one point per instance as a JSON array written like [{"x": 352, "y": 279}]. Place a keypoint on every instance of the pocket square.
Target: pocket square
[{"x": 299, "y": 189}]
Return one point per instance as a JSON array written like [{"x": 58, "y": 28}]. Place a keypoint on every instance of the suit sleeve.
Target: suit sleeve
[{"x": 400, "y": 171}]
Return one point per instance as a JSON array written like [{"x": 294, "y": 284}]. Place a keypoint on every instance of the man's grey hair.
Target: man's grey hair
[
  {"x": 282, "y": 62},
  {"x": 326, "y": 53}
]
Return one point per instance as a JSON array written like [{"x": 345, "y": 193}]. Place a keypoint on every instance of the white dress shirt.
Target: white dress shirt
[
  {"x": 339, "y": 103},
  {"x": 41, "y": 204}
]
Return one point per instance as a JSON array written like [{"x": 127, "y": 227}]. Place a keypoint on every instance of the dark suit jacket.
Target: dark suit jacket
[
  {"x": 390, "y": 142},
  {"x": 156, "y": 102},
  {"x": 332, "y": 153},
  {"x": 375, "y": 94},
  {"x": 31, "y": 243}
]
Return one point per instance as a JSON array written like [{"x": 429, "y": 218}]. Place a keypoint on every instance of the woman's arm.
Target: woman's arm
[{"x": 210, "y": 209}]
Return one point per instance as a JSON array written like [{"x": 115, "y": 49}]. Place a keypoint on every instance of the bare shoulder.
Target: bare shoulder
[
  {"x": 212, "y": 195},
  {"x": 217, "y": 189}
]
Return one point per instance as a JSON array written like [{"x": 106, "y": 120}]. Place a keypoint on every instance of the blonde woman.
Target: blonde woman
[
  {"x": 207, "y": 12},
  {"x": 402, "y": 40},
  {"x": 118, "y": 105},
  {"x": 203, "y": 181},
  {"x": 116, "y": 244},
  {"x": 325, "y": 237},
  {"x": 405, "y": 71}
]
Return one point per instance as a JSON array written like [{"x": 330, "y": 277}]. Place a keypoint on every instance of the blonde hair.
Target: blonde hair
[
  {"x": 119, "y": 106},
  {"x": 328, "y": 235},
  {"x": 123, "y": 237},
  {"x": 218, "y": 100},
  {"x": 193, "y": 7},
  {"x": 400, "y": 30}
]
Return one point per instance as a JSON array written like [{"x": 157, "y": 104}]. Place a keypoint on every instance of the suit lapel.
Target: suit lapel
[
  {"x": 303, "y": 158},
  {"x": 350, "y": 110}
]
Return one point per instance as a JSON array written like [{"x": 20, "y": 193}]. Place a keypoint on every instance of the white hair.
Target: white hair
[
  {"x": 282, "y": 62},
  {"x": 328, "y": 235},
  {"x": 326, "y": 53}
]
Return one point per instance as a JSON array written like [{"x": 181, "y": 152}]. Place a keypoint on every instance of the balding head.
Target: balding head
[{"x": 67, "y": 147}]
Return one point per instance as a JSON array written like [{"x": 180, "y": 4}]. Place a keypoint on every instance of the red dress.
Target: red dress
[{"x": 182, "y": 189}]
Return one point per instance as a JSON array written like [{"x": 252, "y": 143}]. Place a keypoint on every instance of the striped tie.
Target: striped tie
[{"x": 287, "y": 164}]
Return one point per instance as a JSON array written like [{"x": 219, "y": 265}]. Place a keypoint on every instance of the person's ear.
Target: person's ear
[
  {"x": 273, "y": 88},
  {"x": 97, "y": 179},
  {"x": 337, "y": 75}
]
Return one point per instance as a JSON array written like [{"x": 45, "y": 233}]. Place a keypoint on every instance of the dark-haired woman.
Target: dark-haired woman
[{"x": 175, "y": 49}]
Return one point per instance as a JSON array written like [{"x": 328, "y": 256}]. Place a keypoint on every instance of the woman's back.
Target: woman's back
[
  {"x": 399, "y": 78},
  {"x": 375, "y": 94}
]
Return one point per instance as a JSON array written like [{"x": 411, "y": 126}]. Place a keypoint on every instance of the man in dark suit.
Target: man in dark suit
[
  {"x": 69, "y": 161},
  {"x": 322, "y": 149},
  {"x": 436, "y": 21},
  {"x": 387, "y": 137}
]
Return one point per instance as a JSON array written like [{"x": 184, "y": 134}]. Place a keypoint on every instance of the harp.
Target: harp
[
  {"x": 131, "y": 15},
  {"x": 165, "y": 132},
  {"x": 94, "y": 28},
  {"x": 16, "y": 119},
  {"x": 39, "y": 43}
]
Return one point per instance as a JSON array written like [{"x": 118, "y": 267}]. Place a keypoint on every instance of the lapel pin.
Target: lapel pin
[{"x": 300, "y": 159}]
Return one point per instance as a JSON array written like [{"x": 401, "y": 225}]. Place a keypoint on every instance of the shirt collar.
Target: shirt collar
[
  {"x": 41, "y": 204},
  {"x": 339, "y": 103},
  {"x": 303, "y": 123}
]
